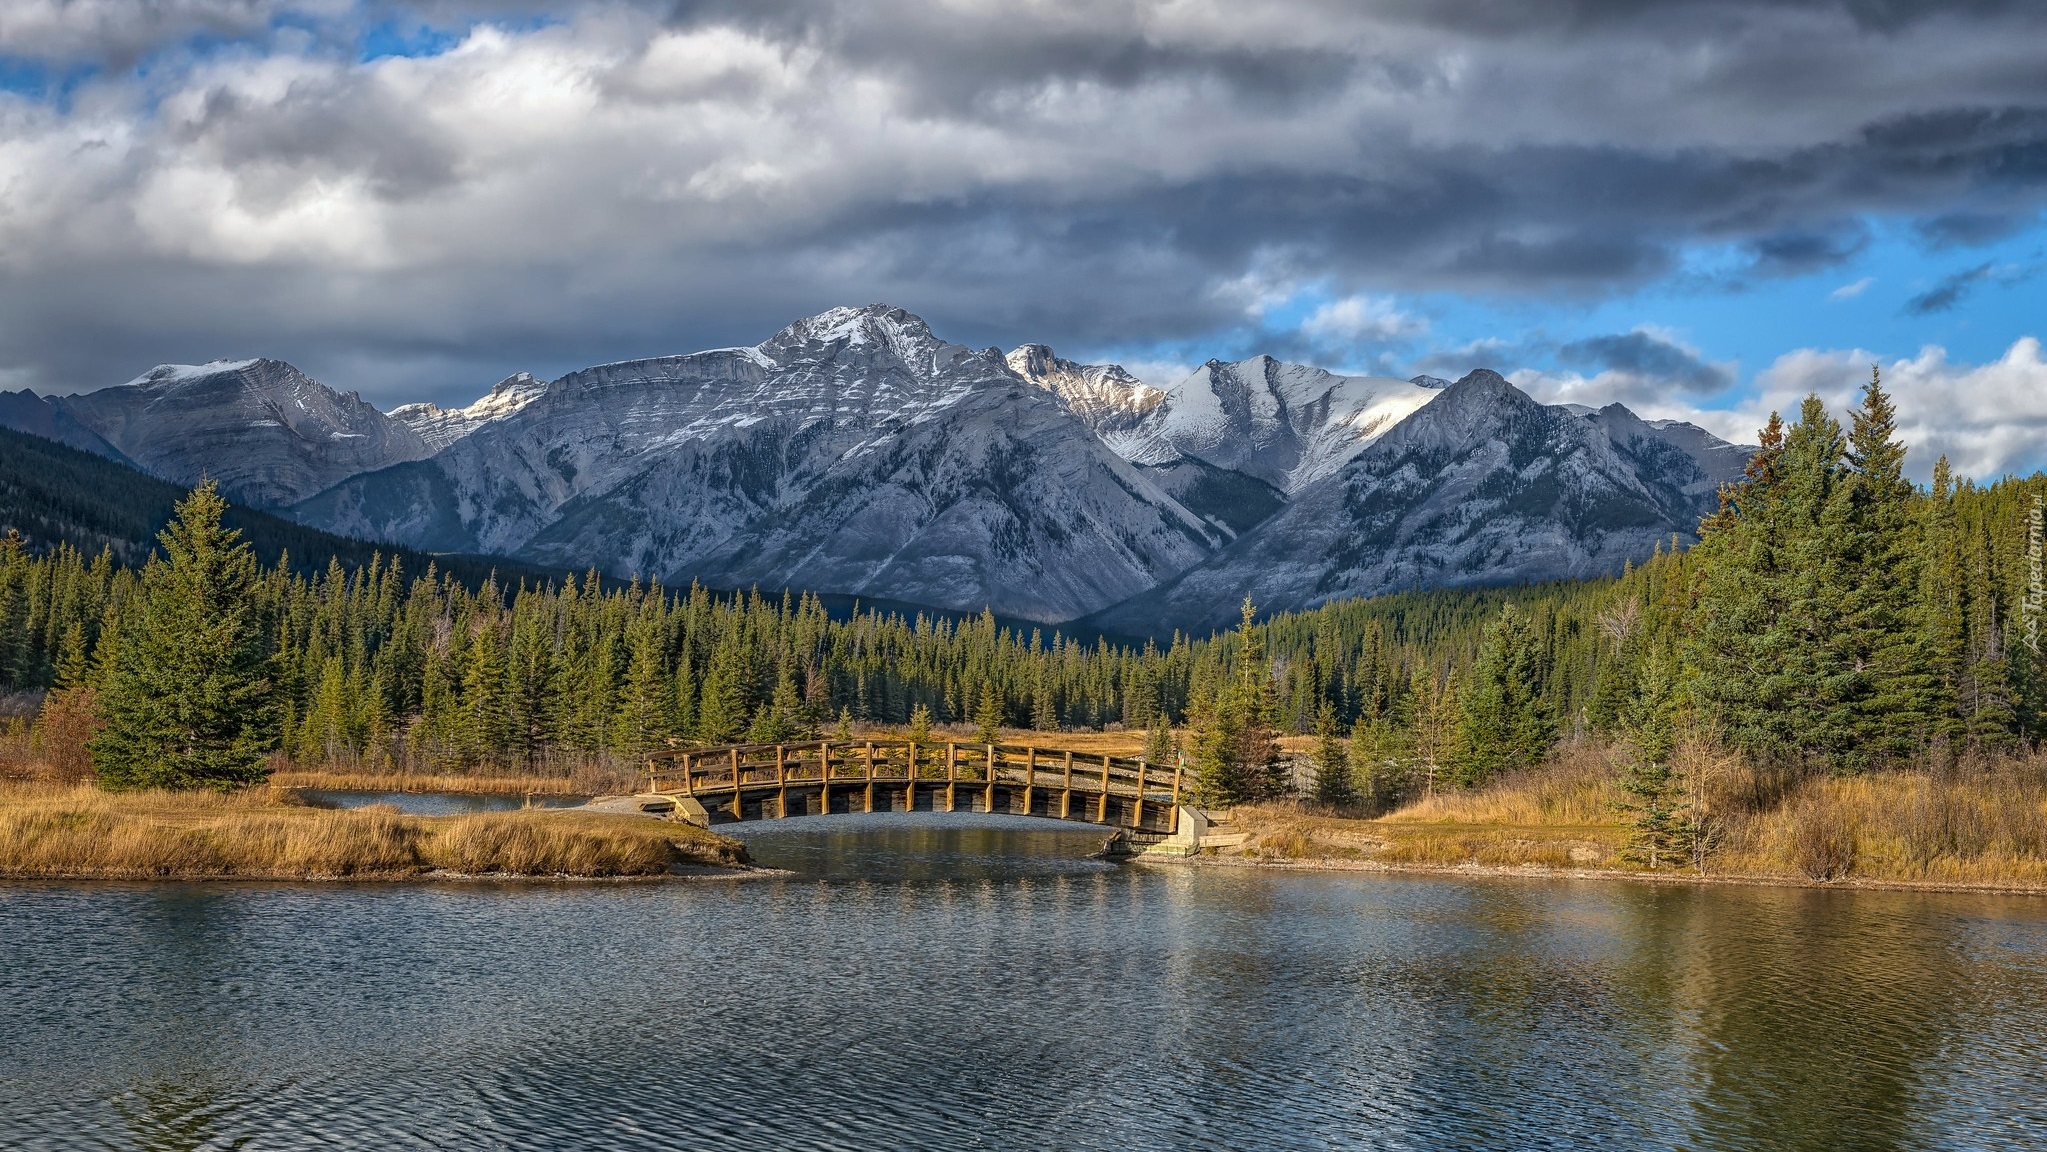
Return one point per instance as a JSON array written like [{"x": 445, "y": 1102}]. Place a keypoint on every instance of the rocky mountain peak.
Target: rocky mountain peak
[
  {"x": 440, "y": 427},
  {"x": 270, "y": 434},
  {"x": 1107, "y": 398},
  {"x": 872, "y": 329}
]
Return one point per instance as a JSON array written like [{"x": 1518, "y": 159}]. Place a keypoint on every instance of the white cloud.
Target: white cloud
[
  {"x": 1850, "y": 291},
  {"x": 637, "y": 176},
  {"x": 1987, "y": 419},
  {"x": 1357, "y": 319}
]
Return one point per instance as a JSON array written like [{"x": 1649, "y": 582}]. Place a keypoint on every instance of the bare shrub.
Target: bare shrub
[
  {"x": 69, "y": 719},
  {"x": 1822, "y": 837}
]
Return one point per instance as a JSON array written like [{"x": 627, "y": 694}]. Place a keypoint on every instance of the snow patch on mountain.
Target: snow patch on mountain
[
  {"x": 1288, "y": 425},
  {"x": 440, "y": 427}
]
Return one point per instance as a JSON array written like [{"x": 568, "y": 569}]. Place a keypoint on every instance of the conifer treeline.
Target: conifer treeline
[{"x": 1833, "y": 614}]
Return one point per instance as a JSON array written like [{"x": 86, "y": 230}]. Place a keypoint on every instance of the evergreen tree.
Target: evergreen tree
[
  {"x": 1662, "y": 825},
  {"x": 1043, "y": 718},
  {"x": 920, "y": 725},
  {"x": 1159, "y": 747},
  {"x": 485, "y": 717},
  {"x": 780, "y": 720},
  {"x": 1236, "y": 747},
  {"x": 1879, "y": 637},
  {"x": 1333, "y": 786},
  {"x": 646, "y": 708},
  {"x": 988, "y": 715},
  {"x": 724, "y": 702},
  {"x": 188, "y": 702},
  {"x": 1505, "y": 719}
]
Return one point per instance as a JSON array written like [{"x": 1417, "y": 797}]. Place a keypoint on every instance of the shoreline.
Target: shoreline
[
  {"x": 701, "y": 872},
  {"x": 54, "y": 832},
  {"x": 1544, "y": 872}
]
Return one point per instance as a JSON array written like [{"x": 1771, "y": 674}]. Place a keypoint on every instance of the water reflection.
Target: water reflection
[{"x": 972, "y": 982}]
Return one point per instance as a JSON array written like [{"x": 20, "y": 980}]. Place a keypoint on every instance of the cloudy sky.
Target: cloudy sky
[{"x": 1700, "y": 209}]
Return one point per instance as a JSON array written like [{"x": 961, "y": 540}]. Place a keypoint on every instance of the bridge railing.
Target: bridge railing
[{"x": 735, "y": 768}]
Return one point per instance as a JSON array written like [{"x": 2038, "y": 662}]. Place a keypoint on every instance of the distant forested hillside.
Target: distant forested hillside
[{"x": 52, "y": 494}]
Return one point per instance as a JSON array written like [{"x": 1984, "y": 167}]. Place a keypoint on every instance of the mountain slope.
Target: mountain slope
[
  {"x": 1287, "y": 425},
  {"x": 440, "y": 427},
  {"x": 1483, "y": 485},
  {"x": 852, "y": 453},
  {"x": 54, "y": 494},
  {"x": 268, "y": 433},
  {"x": 24, "y": 411}
]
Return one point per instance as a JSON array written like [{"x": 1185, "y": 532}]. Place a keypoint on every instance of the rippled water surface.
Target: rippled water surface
[{"x": 959, "y": 982}]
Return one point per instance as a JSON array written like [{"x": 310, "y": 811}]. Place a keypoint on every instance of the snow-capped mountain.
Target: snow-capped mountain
[
  {"x": 440, "y": 427},
  {"x": 853, "y": 452},
  {"x": 1483, "y": 485},
  {"x": 1231, "y": 441},
  {"x": 1288, "y": 425},
  {"x": 1107, "y": 398},
  {"x": 267, "y": 432}
]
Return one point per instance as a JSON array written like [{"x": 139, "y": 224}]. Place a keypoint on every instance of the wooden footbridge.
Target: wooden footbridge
[{"x": 770, "y": 781}]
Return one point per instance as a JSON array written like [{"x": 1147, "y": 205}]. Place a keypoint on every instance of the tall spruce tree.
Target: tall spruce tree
[
  {"x": 1334, "y": 787},
  {"x": 188, "y": 702},
  {"x": 1662, "y": 827},
  {"x": 988, "y": 714},
  {"x": 1881, "y": 636},
  {"x": 1505, "y": 719},
  {"x": 1236, "y": 747}
]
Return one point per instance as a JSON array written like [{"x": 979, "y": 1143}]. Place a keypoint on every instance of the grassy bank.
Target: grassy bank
[
  {"x": 344, "y": 778},
  {"x": 1980, "y": 824},
  {"x": 80, "y": 831}
]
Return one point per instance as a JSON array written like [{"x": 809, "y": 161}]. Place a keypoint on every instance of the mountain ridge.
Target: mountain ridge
[{"x": 855, "y": 453}]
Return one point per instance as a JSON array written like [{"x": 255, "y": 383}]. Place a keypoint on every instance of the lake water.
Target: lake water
[
  {"x": 954, "y": 982},
  {"x": 437, "y": 803}
]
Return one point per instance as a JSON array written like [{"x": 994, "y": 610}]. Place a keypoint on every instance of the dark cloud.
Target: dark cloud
[
  {"x": 1956, "y": 285},
  {"x": 1644, "y": 354},
  {"x": 629, "y": 179}
]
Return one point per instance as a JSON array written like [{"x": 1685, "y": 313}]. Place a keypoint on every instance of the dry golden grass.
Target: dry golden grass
[
  {"x": 1984, "y": 825},
  {"x": 1291, "y": 833},
  {"x": 589, "y": 782},
  {"x": 1983, "y": 828},
  {"x": 1575, "y": 786},
  {"x": 80, "y": 831}
]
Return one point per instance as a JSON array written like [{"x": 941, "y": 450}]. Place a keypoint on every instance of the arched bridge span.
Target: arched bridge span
[{"x": 769, "y": 781}]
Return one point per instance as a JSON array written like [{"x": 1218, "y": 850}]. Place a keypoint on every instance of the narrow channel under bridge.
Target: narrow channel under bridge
[{"x": 771, "y": 781}]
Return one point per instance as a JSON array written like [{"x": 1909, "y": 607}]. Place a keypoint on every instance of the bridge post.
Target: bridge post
[
  {"x": 870, "y": 776},
  {"x": 689, "y": 786},
  {"x": 910, "y": 780},
  {"x": 952, "y": 772},
  {"x": 988, "y": 797},
  {"x": 1137, "y": 811},
  {"x": 1066, "y": 793},
  {"x": 738, "y": 808},
  {"x": 1173, "y": 818},
  {"x": 1030, "y": 776},
  {"x": 1102, "y": 802},
  {"x": 824, "y": 778},
  {"x": 781, "y": 782}
]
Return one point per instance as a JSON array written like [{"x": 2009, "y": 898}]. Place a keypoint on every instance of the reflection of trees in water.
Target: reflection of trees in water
[
  {"x": 1813, "y": 1017},
  {"x": 163, "y": 1115}
]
